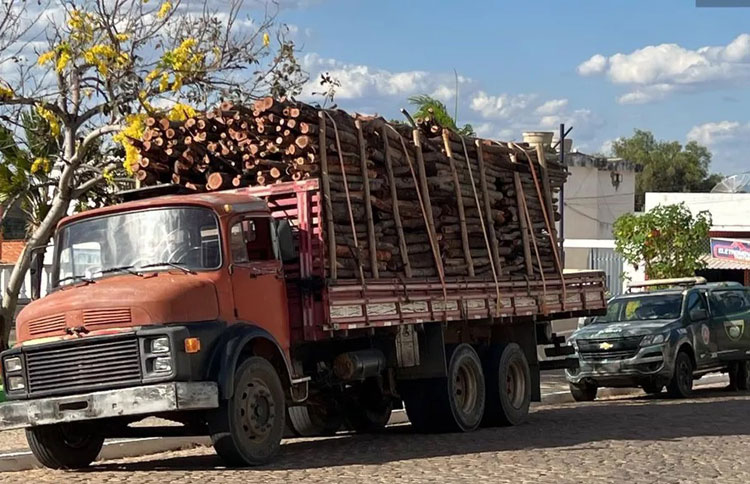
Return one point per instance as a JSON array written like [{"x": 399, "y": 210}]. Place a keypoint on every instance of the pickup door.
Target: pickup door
[{"x": 730, "y": 310}]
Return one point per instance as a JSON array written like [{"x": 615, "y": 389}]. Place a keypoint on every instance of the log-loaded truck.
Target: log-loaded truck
[{"x": 220, "y": 310}]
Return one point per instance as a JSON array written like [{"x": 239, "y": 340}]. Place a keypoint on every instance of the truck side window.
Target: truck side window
[
  {"x": 251, "y": 241},
  {"x": 696, "y": 301}
]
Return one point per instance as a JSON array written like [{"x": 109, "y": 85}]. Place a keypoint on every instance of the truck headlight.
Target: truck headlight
[
  {"x": 16, "y": 383},
  {"x": 160, "y": 345},
  {"x": 163, "y": 364},
  {"x": 13, "y": 364},
  {"x": 654, "y": 339}
]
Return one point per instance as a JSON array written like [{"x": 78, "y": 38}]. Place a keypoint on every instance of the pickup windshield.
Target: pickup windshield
[
  {"x": 126, "y": 242},
  {"x": 642, "y": 308}
]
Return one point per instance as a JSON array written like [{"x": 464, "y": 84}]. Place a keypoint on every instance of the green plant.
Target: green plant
[{"x": 669, "y": 240}]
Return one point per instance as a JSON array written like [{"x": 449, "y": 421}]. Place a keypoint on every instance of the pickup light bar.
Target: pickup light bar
[{"x": 676, "y": 282}]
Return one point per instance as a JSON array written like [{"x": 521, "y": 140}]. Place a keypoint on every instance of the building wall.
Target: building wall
[
  {"x": 592, "y": 202},
  {"x": 729, "y": 211}
]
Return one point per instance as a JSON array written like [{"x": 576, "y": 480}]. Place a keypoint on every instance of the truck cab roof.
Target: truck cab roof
[{"x": 222, "y": 202}]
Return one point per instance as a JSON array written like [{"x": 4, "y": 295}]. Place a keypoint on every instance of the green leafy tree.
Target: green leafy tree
[
  {"x": 429, "y": 106},
  {"x": 668, "y": 166},
  {"x": 669, "y": 240},
  {"x": 106, "y": 67}
]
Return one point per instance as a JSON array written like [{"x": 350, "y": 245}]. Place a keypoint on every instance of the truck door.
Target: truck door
[
  {"x": 257, "y": 278},
  {"x": 731, "y": 318},
  {"x": 701, "y": 329}
]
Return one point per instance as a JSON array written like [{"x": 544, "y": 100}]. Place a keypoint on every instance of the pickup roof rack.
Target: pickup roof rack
[{"x": 676, "y": 282}]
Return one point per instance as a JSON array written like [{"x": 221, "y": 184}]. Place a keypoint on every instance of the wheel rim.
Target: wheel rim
[
  {"x": 515, "y": 384},
  {"x": 257, "y": 410},
  {"x": 465, "y": 387},
  {"x": 75, "y": 439}
]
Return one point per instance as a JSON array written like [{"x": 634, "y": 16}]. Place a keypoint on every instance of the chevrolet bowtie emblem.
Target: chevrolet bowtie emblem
[{"x": 605, "y": 346}]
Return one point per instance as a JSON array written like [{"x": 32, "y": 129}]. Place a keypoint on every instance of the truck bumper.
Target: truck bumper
[
  {"x": 650, "y": 364},
  {"x": 141, "y": 400}
]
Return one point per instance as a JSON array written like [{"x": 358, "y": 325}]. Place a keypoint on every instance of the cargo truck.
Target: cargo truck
[{"x": 213, "y": 310}]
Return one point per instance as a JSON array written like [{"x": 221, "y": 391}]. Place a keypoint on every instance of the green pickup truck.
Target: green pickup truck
[{"x": 665, "y": 333}]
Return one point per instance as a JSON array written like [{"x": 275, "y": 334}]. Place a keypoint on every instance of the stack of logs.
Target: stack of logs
[{"x": 398, "y": 201}]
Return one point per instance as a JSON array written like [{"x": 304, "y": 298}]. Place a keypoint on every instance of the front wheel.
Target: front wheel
[
  {"x": 64, "y": 446},
  {"x": 681, "y": 385},
  {"x": 583, "y": 393},
  {"x": 739, "y": 376},
  {"x": 652, "y": 388},
  {"x": 246, "y": 429}
]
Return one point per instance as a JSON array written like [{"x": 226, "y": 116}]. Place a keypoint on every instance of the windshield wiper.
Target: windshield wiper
[
  {"x": 76, "y": 278},
  {"x": 176, "y": 265},
  {"x": 128, "y": 269}
]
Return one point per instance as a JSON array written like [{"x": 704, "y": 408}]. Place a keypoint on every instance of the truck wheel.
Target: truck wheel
[
  {"x": 681, "y": 385},
  {"x": 315, "y": 420},
  {"x": 652, "y": 388},
  {"x": 64, "y": 446},
  {"x": 246, "y": 429},
  {"x": 370, "y": 411},
  {"x": 508, "y": 386},
  {"x": 739, "y": 376},
  {"x": 583, "y": 393}
]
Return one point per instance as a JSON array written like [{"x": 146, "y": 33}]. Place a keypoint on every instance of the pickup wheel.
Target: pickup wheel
[
  {"x": 681, "y": 385},
  {"x": 739, "y": 376},
  {"x": 583, "y": 393},
  {"x": 64, "y": 446},
  {"x": 246, "y": 429},
  {"x": 652, "y": 388},
  {"x": 508, "y": 386}
]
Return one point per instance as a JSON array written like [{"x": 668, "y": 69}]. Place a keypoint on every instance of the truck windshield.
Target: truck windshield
[
  {"x": 187, "y": 237},
  {"x": 643, "y": 308}
]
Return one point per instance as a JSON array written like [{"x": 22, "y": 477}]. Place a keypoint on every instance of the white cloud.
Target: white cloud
[
  {"x": 595, "y": 65},
  {"x": 502, "y": 106},
  {"x": 655, "y": 71},
  {"x": 552, "y": 107},
  {"x": 728, "y": 142}
]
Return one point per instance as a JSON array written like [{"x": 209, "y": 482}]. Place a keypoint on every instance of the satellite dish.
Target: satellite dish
[{"x": 733, "y": 184}]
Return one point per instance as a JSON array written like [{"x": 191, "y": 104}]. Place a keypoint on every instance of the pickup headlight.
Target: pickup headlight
[
  {"x": 13, "y": 364},
  {"x": 654, "y": 339}
]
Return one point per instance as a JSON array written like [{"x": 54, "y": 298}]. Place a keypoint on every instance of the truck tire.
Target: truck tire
[
  {"x": 583, "y": 393},
  {"x": 64, "y": 446},
  {"x": 315, "y": 420},
  {"x": 681, "y": 385},
  {"x": 246, "y": 429},
  {"x": 508, "y": 384},
  {"x": 370, "y": 410},
  {"x": 739, "y": 376},
  {"x": 652, "y": 388}
]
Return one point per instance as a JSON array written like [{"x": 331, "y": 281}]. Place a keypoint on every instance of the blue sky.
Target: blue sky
[{"x": 606, "y": 67}]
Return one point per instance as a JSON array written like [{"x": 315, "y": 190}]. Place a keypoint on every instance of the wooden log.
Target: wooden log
[
  {"x": 460, "y": 205},
  {"x": 395, "y": 207},
  {"x": 368, "y": 203},
  {"x": 328, "y": 209}
]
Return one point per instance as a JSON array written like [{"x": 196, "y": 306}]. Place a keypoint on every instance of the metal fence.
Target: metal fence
[
  {"x": 611, "y": 263},
  {"x": 25, "y": 294}
]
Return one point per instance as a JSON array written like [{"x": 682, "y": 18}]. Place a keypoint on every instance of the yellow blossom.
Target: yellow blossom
[
  {"x": 52, "y": 121},
  {"x": 266, "y": 39},
  {"x": 164, "y": 82},
  {"x": 41, "y": 164},
  {"x": 6, "y": 92},
  {"x": 46, "y": 58},
  {"x": 122, "y": 37},
  {"x": 181, "y": 112},
  {"x": 62, "y": 61},
  {"x": 164, "y": 10},
  {"x": 134, "y": 127}
]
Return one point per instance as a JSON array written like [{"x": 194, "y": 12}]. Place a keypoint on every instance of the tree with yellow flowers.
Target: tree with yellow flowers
[{"x": 109, "y": 65}]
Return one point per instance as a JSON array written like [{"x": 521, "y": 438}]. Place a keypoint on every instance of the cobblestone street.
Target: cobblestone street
[{"x": 704, "y": 439}]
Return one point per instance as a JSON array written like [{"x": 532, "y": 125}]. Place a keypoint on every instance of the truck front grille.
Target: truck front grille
[
  {"x": 82, "y": 365},
  {"x": 609, "y": 349}
]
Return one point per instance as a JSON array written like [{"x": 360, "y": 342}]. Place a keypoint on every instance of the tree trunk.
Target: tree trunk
[{"x": 40, "y": 237}]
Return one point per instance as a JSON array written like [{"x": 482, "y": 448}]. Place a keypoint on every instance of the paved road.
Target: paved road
[{"x": 704, "y": 439}]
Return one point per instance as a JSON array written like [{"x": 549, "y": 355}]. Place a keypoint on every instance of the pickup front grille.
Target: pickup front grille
[
  {"x": 83, "y": 365},
  {"x": 608, "y": 355},
  {"x": 610, "y": 349}
]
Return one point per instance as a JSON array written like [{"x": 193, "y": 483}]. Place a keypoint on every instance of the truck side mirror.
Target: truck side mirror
[
  {"x": 698, "y": 314},
  {"x": 287, "y": 251},
  {"x": 35, "y": 271}
]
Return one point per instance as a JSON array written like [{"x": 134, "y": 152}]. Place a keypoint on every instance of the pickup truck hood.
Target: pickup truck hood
[
  {"x": 623, "y": 329},
  {"x": 118, "y": 302}
]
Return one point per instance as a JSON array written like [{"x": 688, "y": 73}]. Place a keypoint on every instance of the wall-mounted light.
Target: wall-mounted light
[{"x": 616, "y": 178}]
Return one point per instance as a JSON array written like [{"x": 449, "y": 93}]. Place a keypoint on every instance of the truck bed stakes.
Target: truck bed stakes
[{"x": 378, "y": 178}]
